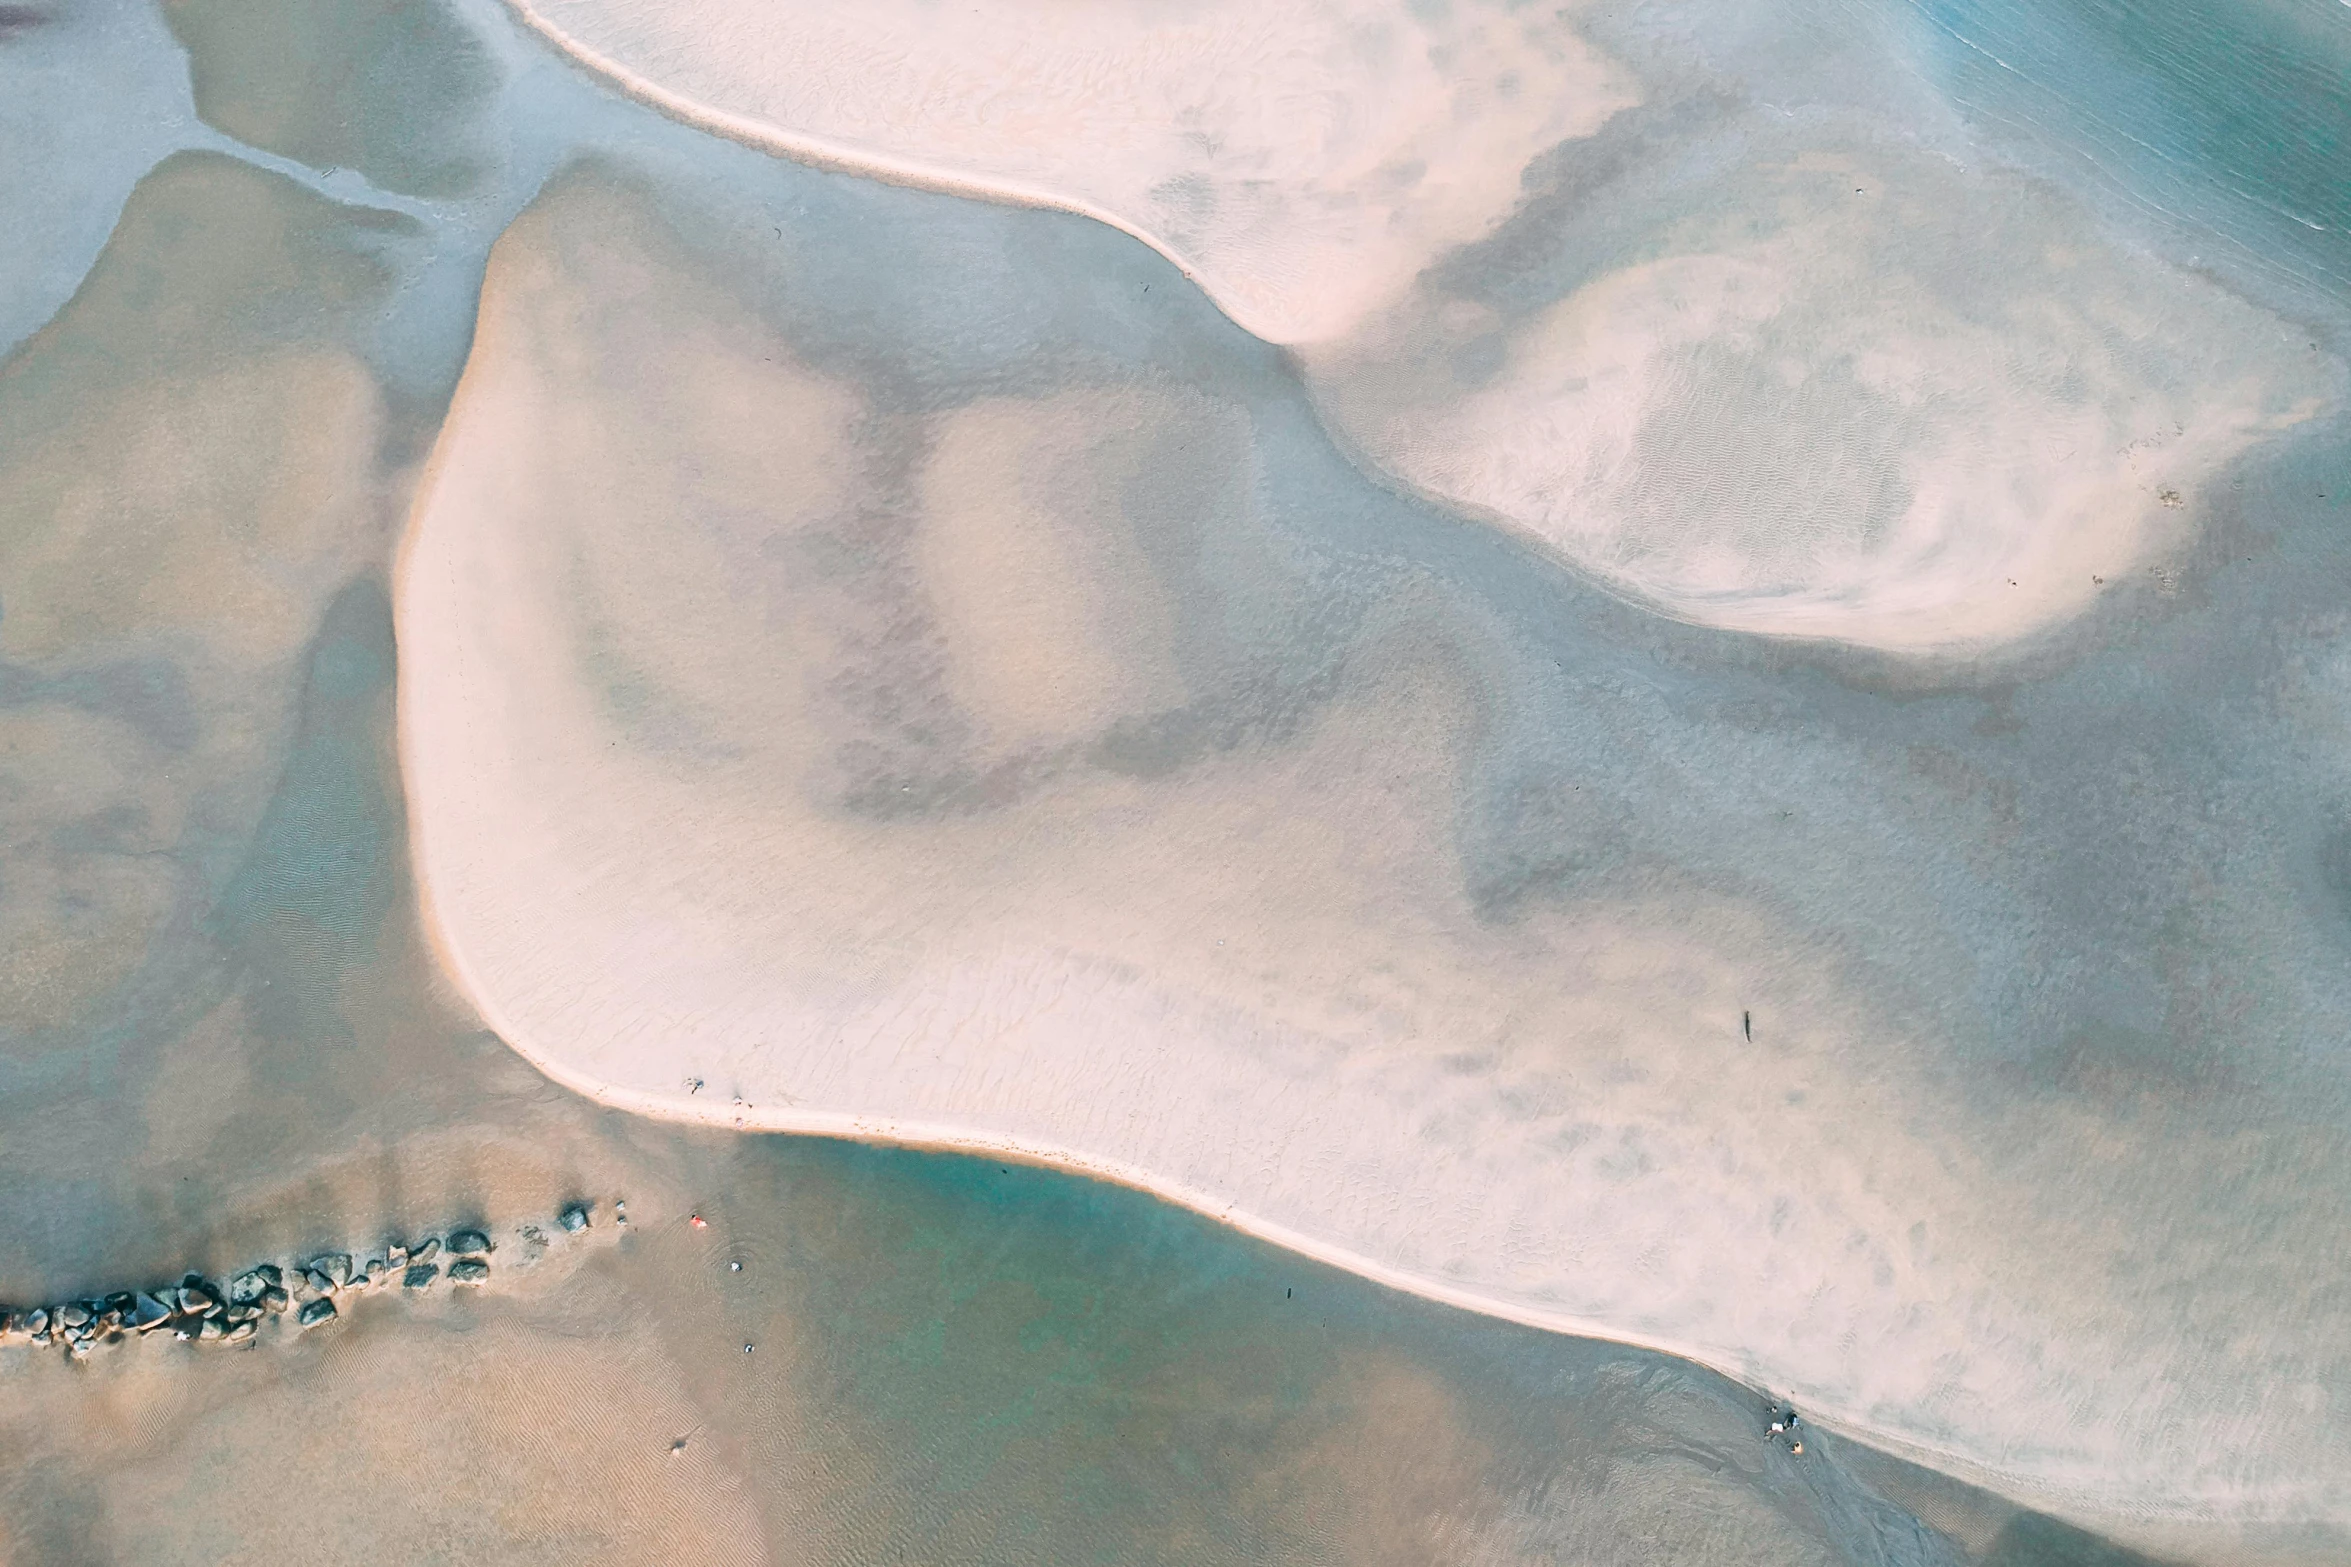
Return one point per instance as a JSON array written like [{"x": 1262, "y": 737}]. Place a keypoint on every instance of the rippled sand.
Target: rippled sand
[{"x": 1740, "y": 336}]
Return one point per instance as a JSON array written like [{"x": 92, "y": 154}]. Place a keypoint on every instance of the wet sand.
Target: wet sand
[{"x": 708, "y": 828}]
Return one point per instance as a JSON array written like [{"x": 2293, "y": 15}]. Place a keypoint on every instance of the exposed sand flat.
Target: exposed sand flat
[
  {"x": 1302, "y": 158},
  {"x": 722, "y": 814},
  {"x": 1861, "y": 395},
  {"x": 1808, "y": 379}
]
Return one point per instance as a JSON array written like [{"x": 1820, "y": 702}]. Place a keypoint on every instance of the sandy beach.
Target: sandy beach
[{"x": 705, "y": 829}]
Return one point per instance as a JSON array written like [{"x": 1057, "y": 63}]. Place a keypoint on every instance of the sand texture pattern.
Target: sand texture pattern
[{"x": 828, "y": 740}]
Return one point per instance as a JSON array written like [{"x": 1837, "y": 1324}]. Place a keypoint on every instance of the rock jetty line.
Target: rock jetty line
[{"x": 199, "y": 1310}]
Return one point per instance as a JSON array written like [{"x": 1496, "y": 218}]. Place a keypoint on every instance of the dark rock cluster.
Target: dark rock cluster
[{"x": 201, "y": 1310}]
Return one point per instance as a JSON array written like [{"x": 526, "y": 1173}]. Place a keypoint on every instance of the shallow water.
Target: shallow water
[{"x": 2072, "y": 919}]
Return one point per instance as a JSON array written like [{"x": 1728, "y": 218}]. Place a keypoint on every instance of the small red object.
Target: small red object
[{"x": 697, "y": 1221}]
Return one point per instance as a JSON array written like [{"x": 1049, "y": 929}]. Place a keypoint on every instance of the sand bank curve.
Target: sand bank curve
[{"x": 730, "y": 780}]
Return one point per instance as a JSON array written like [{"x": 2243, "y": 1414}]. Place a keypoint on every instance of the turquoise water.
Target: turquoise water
[{"x": 2236, "y": 115}]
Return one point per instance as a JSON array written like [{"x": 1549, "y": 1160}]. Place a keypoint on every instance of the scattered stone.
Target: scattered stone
[{"x": 198, "y": 1310}]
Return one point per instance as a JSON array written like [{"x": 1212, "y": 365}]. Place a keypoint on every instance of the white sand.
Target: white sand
[
  {"x": 1302, "y": 158},
  {"x": 1861, "y": 396},
  {"x": 641, "y": 693}
]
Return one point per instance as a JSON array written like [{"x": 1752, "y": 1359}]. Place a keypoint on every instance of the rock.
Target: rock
[
  {"x": 210, "y": 1329},
  {"x": 396, "y": 1256},
  {"x": 274, "y": 1300},
  {"x": 426, "y": 1250},
  {"x": 316, "y": 1312},
  {"x": 148, "y": 1313},
  {"x": 195, "y": 1301},
  {"x": 241, "y": 1332},
  {"x": 620, "y": 1212},
  {"x": 36, "y": 1321},
  {"x": 73, "y": 1314},
  {"x": 469, "y": 1243},
  {"x": 12, "y": 1325},
  {"x": 420, "y": 1275},
  {"x": 336, "y": 1266},
  {"x": 78, "y": 1348},
  {"x": 470, "y": 1270},
  {"x": 246, "y": 1287},
  {"x": 376, "y": 1269},
  {"x": 574, "y": 1218},
  {"x": 320, "y": 1282}
]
